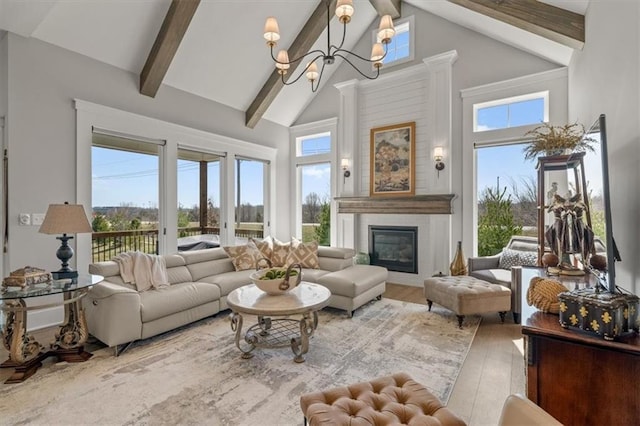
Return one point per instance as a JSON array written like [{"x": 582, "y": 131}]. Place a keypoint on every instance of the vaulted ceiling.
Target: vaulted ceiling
[{"x": 214, "y": 48}]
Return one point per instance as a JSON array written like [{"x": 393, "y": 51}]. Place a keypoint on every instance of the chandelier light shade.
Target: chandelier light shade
[
  {"x": 344, "y": 11},
  {"x": 65, "y": 219}
]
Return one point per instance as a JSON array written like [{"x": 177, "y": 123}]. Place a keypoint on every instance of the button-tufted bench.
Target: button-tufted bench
[
  {"x": 390, "y": 400},
  {"x": 466, "y": 295}
]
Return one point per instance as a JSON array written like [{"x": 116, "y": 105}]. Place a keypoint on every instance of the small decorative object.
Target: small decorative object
[
  {"x": 392, "y": 160},
  {"x": 361, "y": 258},
  {"x": 65, "y": 219},
  {"x": 556, "y": 140},
  {"x": 543, "y": 294},
  {"x": 550, "y": 259},
  {"x": 598, "y": 262},
  {"x": 276, "y": 281},
  {"x": 459, "y": 265},
  {"x": 27, "y": 276}
]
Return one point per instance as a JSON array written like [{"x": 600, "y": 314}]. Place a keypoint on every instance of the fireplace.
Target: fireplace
[{"x": 394, "y": 247}]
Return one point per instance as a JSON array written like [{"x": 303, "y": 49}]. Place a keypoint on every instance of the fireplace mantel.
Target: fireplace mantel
[{"x": 418, "y": 204}]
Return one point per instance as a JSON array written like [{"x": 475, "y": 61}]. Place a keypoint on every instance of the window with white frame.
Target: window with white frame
[
  {"x": 532, "y": 108},
  {"x": 401, "y": 47}
]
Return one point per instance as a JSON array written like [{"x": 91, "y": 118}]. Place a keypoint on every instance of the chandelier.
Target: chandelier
[{"x": 344, "y": 11}]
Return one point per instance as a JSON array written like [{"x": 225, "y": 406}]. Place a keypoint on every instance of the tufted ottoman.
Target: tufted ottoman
[
  {"x": 390, "y": 400},
  {"x": 465, "y": 295}
]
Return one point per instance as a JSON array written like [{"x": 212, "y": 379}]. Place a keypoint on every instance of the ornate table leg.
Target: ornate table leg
[
  {"x": 25, "y": 353},
  {"x": 236, "y": 325},
  {"x": 300, "y": 344},
  {"x": 72, "y": 334}
]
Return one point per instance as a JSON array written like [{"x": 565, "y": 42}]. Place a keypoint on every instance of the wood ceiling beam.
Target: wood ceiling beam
[
  {"x": 309, "y": 34},
  {"x": 387, "y": 7},
  {"x": 173, "y": 28},
  {"x": 551, "y": 22}
]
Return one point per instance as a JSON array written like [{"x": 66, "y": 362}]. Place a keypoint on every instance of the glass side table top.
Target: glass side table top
[{"x": 51, "y": 287}]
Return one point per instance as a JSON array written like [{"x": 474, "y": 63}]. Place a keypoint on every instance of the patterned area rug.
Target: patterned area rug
[{"x": 195, "y": 375}]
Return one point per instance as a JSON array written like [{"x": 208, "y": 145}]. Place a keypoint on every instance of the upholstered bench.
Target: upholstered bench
[
  {"x": 354, "y": 286},
  {"x": 465, "y": 295},
  {"x": 390, "y": 400}
]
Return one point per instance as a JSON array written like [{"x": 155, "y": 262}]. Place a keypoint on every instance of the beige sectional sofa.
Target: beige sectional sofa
[{"x": 200, "y": 281}]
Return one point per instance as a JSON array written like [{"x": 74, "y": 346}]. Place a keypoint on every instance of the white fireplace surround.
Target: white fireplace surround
[{"x": 421, "y": 93}]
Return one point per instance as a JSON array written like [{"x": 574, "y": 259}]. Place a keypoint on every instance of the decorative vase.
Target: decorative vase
[
  {"x": 459, "y": 265},
  {"x": 361, "y": 258}
]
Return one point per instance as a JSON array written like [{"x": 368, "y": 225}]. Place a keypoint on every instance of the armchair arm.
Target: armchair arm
[
  {"x": 484, "y": 262},
  {"x": 518, "y": 410}
]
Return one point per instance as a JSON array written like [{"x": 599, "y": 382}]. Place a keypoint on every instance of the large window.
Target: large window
[
  {"x": 313, "y": 206},
  {"x": 250, "y": 198},
  {"x": 198, "y": 199},
  {"x": 125, "y": 195}
]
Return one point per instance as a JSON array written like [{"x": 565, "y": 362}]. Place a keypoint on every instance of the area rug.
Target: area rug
[{"x": 195, "y": 375}]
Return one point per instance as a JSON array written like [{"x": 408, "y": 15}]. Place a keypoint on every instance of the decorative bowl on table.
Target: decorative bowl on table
[{"x": 275, "y": 281}]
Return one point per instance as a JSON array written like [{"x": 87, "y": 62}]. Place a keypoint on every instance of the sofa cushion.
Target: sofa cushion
[
  {"x": 495, "y": 276},
  {"x": 265, "y": 246},
  {"x": 243, "y": 257},
  {"x": 229, "y": 281},
  {"x": 354, "y": 281},
  {"x": 305, "y": 254},
  {"x": 279, "y": 253},
  {"x": 156, "y": 304},
  {"x": 312, "y": 275},
  {"x": 510, "y": 257}
]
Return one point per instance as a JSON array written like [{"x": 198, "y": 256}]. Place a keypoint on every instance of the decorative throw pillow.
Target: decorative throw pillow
[
  {"x": 279, "y": 253},
  {"x": 265, "y": 246},
  {"x": 243, "y": 257},
  {"x": 306, "y": 254},
  {"x": 510, "y": 258}
]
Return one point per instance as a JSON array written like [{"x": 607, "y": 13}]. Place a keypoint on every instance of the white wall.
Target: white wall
[
  {"x": 604, "y": 78},
  {"x": 43, "y": 80}
]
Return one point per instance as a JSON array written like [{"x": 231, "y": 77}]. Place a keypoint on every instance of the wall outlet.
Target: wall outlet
[
  {"x": 37, "y": 219},
  {"x": 24, "y": 219}
]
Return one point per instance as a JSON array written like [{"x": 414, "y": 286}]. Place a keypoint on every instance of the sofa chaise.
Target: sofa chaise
[{"x": 200, "y": 281}]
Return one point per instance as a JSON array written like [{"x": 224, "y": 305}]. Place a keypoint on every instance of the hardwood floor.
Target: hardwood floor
[{"x": 494, "y": 367}]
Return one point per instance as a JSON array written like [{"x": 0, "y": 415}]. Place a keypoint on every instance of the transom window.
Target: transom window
[
  {"x": 516, "y": 111},
  {"x": 314, "y": 145}
]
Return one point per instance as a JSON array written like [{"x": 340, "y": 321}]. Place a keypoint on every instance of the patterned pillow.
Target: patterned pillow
[
  {"x": 244, "y": 257},
  {"x": 510, "y": 258},
  {"x": 265, "y": 246},
  {"x": 306, "y": 254},
  {"x": 279, "y": 253}
]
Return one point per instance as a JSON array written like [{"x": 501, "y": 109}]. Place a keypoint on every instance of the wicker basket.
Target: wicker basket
[{"x": 543, "y": 294}]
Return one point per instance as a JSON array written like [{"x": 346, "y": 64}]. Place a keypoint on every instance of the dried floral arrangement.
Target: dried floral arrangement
[{"x": 552, "y": 140}]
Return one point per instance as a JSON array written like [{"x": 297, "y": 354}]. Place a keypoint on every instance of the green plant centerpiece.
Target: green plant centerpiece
[{"x": 550, "y": 140}]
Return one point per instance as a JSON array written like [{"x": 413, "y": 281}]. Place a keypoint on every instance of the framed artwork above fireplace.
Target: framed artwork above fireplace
[{"x": 393, "y": 160}]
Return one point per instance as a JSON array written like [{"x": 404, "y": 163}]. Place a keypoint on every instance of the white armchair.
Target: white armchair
[{"x": 520, "y": 411}]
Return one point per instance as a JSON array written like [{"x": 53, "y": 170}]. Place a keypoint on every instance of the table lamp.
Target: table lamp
[{"x": 65, "y": 219}]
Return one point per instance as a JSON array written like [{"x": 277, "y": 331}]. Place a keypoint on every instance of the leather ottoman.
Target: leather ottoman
[
  {"x": 389, "y": 400},
  {"x": 465, "y": 295}
]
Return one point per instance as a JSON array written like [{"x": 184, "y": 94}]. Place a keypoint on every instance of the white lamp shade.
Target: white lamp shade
[
  {"x": 438, "y": 153},
  {"x": 344, "y": 10},
  {"x": 344, "y": 163},
  {"x": 386, "y": 30},
  {"x": 271, "y": 30},
  {"x": 283, "y": 60},
  {"x": 312, "y": 72},
  {"x": 377, "y": 53},
  {"x": 65, "y": 219}
]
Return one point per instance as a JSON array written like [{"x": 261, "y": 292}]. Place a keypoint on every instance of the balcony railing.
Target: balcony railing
[{"x": 107, "y": 245}]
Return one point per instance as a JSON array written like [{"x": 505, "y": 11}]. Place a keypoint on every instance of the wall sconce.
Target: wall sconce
[
  {"x": 438, "y": 153},
  {"x": 345, "y": 169}
]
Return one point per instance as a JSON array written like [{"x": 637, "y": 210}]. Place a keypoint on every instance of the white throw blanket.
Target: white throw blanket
[{"x": 145, "y": 271}]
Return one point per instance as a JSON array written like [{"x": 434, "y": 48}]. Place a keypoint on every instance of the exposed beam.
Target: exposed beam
[
  {"x": 166, "y": 45},
  {"x": 551, "y": 22},
  {"x": 387, "y": 7},
  {"x": 309, "y": 34}
]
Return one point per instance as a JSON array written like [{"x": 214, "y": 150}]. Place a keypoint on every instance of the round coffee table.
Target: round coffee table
[{"x": 306, "y": 300}]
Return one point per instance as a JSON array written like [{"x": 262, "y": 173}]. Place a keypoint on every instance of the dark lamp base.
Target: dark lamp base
[{"x": 63, "y": 275}]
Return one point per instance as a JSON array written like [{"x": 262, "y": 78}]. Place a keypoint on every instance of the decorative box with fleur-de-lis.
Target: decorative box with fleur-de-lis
[{"x": 609, "y": 315}]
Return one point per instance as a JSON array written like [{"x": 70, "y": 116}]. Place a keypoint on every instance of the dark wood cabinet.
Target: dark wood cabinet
[{"x": 578, "y": 378}]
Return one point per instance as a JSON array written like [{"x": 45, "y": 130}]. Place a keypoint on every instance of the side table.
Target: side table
[{"x": 25, "y": 353}]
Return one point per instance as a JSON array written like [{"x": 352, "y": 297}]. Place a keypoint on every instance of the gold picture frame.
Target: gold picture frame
[{"x": 392, "y": 153}]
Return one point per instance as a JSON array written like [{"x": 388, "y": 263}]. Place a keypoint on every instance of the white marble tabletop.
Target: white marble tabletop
[{"x": 306, "y": 297}]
